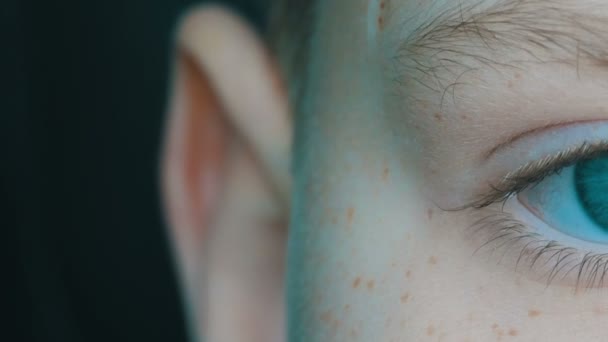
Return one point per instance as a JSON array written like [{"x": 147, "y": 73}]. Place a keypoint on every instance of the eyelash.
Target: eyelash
[
  {"x": 509, "y": 234},
  {"x": 503, "y": 232},
  {"x": 533, "y": 173}
]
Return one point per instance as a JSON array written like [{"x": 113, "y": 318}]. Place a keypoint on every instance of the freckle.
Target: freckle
[
  {"x": 356, "y": 282},
  {"x": 380, "y": 23},
  {"x": 494, "y": 326},
  {"x": 510, "y": 84},
  {"x": 464, "y": 117},
  {"x": 534, "y": 313},
  {"x": 405, "y": 298},
  {"x": 382, "y": 5},
  {"x": 408, "y": 274},
  {"x": 517, "y": 75},
  {"x": 432, "y": 260},
  {"x": 429, "y": 213},
  {"x": 347, "y": 307},
  {"x": 326, "y": 316},
  {"x": 430, "y": 330},
  {"x": 350, "y": 214},
  {"x": 512, "y": 332},
  {"x": 385, "y": 174},
  {"x": 438, "y": 117},
  {"x": 371, "y": 284}
]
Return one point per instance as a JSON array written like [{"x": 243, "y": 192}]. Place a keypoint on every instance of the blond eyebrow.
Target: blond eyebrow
[{"x": 466, "y": 38}]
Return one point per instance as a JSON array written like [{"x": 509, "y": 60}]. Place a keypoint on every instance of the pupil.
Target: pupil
[{"x": 591, "y": 180}]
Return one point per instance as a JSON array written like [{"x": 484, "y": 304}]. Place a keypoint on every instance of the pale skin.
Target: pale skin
[{"x": 372, "y": 252}]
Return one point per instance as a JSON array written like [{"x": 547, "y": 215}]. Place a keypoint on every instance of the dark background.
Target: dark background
[{"x": 86, "y": 86}]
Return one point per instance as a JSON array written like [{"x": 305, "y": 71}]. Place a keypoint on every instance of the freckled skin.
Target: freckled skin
[
  {"x": 326, "y": 316},
  {"x": 402, "y": 258},
  {"x": 350, "y": 214},
  {"x": 499, "y": 332},
  {"x": 371, "y": 284},
  {"x": 380, "y": 20}
]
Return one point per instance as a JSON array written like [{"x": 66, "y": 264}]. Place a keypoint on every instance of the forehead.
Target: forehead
[
  {"x": 363, "y": 53},
  {"x": 428, "y": 46}
]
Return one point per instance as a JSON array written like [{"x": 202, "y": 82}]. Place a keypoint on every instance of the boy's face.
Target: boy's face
[
  {"x": 448, "y": 180},
  {"x": 414, "y": 111}
]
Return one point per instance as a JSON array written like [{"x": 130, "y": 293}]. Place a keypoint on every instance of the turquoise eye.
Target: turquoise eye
[
  {"x": 591, "y": 179},
  {"x": 574, "y": 201}
]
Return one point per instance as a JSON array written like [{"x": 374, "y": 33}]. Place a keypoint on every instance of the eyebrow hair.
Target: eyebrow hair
[{"x": 462, "y": 38}]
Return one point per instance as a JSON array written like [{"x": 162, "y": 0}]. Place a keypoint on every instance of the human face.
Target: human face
[{"x": 414, "y": 112}]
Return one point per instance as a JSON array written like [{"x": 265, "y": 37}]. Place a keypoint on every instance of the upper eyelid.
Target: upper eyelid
[
  {"x": 530, "y": 132},
  {"x": 535, "y": 171},
  {"x": 564, "y": 158}
]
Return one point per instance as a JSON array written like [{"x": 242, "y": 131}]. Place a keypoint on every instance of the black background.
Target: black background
[{"x": 86, "y": 86}]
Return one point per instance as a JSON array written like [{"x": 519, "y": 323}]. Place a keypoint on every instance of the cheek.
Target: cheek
[
  {"x": 370, "y": 260},
  {"x": 352, "y": 259}
]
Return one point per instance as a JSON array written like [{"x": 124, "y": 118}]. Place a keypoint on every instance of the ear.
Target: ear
[{"x": 225, "y": 178}]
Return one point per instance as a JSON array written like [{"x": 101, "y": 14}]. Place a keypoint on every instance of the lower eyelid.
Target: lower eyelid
[{"x": 500, "y": 237}]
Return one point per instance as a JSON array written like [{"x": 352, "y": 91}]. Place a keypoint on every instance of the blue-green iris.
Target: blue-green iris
[{"x": 591, "y": 178}]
